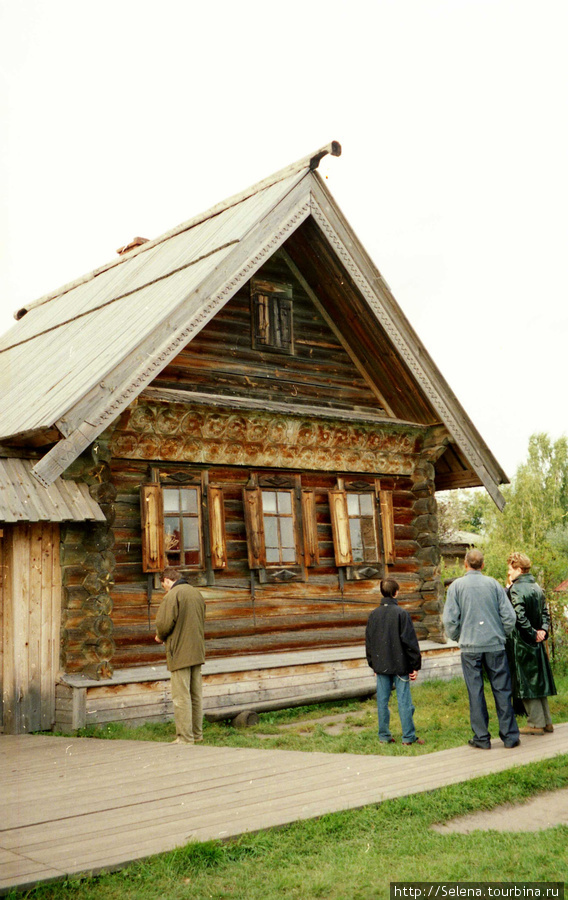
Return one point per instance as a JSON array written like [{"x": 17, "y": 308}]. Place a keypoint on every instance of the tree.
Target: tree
[
  {"x": 535, "y": 518},
  {"x": 462, "y": 510}
]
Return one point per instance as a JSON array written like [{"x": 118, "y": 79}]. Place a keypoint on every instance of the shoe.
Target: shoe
[
  {"x": 512, "y": 746},
  {"x": 479, "y": 746},
  {"x": 198, "y": 740},
  {"x": 390, "y": 741},
  {"x": 179, "y": 741},
  {"x": 548, "y": 728},
  {"x": 530, "y": 729},
  {"x": 410, "y": 743}
]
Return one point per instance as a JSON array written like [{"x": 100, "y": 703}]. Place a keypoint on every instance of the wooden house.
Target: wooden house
[{"x": 243, "y": 398}]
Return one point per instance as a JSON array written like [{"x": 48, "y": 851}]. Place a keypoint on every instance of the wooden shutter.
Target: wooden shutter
[
  {"x": 252, "y": 500},
  {"x": 152, "y": 517},
  {"x": 284, "y": 314},
  {"x": 340, "y": 528},
  {"x": 216, "y": 510},
  {"x": 311, "y": 546},
  {"x": 387, "y": 524},
  {"x": 261, "y": 310},
  {"x": 272, "y": 313}
]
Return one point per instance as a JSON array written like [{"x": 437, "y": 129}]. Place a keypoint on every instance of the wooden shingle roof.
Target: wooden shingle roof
[{"x": 23, "y": 499}]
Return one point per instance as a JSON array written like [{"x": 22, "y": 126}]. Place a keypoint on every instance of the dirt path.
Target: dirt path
[{"x": 544, "y": 811}]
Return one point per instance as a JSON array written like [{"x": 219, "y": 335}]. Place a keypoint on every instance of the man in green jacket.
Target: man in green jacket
[
  {"x": 531, "y": 674},
  {"x": 180, "y": 623}
]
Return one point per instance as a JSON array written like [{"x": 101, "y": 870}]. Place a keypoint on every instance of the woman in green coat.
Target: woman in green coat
[{"x": 531, "y": 674}]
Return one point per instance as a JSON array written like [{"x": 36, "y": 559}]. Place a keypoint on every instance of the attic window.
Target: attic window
[{"x": 271, "y": 314}]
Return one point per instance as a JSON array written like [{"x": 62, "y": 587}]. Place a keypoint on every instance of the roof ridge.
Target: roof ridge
[{"x": 309, "y": 163}]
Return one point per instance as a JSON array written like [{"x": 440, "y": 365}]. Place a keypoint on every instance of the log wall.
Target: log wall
[
  {"x": 320, "y": 612},
  {"x": 88, "y": 571},
  {"x": 107, "y": 620}
]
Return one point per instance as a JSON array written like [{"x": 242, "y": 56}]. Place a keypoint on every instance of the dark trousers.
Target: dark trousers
[{"x": 497, "y": 669}]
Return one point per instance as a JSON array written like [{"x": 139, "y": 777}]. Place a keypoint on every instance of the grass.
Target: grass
[
  {"x": 352, "y": 855},
  {"x": 441, "y": 718}
]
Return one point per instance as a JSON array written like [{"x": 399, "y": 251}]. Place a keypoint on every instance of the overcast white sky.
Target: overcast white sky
[{"x": 128, "y": 117}]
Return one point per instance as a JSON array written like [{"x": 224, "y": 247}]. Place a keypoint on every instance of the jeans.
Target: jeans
[
  {"x": 385, "y": 684},
  {"x": 497, "y": 669}
]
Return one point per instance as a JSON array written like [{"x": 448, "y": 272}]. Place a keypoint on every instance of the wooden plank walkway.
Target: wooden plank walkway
[{"x": 72, "y": 805}]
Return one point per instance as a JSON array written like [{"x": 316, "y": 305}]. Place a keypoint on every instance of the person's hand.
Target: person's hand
[
  {"x": 413, "y": 675},
  {"x": 540, "y": 635},
  {"x": 156, "y": 638}
]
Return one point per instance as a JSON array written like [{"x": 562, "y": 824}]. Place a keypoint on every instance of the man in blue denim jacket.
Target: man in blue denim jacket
[{"x": 479, "y": 615}]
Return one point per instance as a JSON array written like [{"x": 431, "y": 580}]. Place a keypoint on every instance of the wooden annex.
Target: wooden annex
[{"x": 241, "y": 397}]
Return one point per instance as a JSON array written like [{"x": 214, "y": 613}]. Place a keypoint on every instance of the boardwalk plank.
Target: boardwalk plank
[{"x": 63, "y": 814}]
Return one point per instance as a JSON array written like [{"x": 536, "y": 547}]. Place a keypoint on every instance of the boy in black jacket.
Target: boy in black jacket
[{"x": 394, "y": 655}]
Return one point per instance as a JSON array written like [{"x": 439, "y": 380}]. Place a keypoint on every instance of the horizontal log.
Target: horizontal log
[
  {"x": 83, "y": 625},
  {"x": 100, "y": 717},
  {"x": 126, "y": 658},
  {"x": 128, "y": 690},
  {"x": 278, "y": 679},
  {"x": 278, "y": 642}
]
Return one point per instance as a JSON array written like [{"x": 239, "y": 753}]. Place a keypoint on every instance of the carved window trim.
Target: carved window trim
[
  {"x": 272, "y": 316},
  {"x": 258, "y": 517},
  {"x": 343, "y": 513},
  {"x": 209, "y": 512}
]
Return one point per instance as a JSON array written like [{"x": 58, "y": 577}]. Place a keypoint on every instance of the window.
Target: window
[
  {"x": 271, "y": 312},
  {"x": 362, "y": 527},
  {"x": 183, "y": 524},
  {"x": 182, "y": 527},
  {"x": 278, "y": 548},
  {"x": 278, "y": 521},
  {"x": 363, "y": 539}
]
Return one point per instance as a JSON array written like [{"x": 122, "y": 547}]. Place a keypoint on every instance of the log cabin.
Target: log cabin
[{"x": 243, "y": 398}]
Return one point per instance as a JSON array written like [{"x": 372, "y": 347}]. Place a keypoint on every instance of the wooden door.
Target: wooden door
[{"x": 31, "y": 620}]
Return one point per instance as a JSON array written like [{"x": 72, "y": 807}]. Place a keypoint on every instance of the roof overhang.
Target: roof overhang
[{"x": 23, "y": 499}]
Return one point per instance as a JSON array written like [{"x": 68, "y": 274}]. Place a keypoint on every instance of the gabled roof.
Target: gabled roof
[{"x": 80, "y": 355}]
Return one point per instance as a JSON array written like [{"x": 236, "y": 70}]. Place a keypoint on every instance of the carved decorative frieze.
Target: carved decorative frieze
[{"x": 177, "y": 432}]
